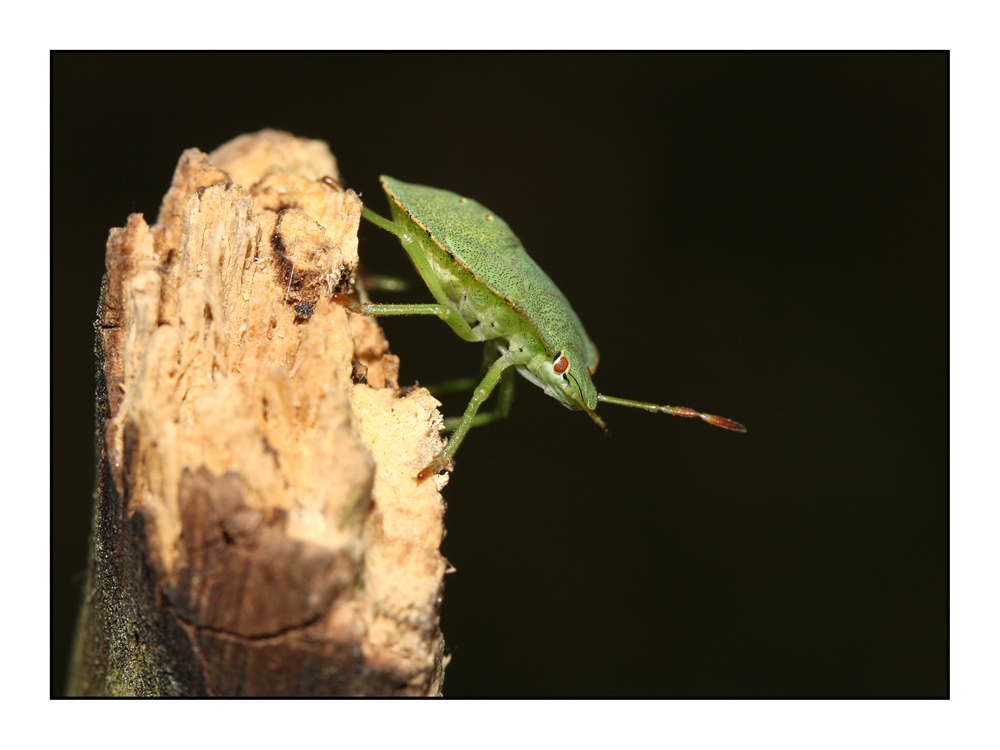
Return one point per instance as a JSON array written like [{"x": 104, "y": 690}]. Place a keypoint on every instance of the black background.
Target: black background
[{"x": 761, "y": 236}]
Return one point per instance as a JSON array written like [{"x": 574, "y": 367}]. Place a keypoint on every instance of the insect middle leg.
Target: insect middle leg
[
  {"x": 448, "y": 314},
  {"x": 379, "y": 283}
]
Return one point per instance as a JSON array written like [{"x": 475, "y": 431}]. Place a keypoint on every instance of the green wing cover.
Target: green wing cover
[{"x": 485, "y": 245}]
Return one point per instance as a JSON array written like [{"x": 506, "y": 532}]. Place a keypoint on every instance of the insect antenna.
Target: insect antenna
[{"x": 677, "y": 411}]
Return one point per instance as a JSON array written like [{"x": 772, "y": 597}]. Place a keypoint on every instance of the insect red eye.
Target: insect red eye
[{"x": 561, "y": 364}]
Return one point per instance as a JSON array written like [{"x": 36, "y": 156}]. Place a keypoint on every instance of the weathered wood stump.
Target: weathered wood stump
[{"x": 257, "y": 529}]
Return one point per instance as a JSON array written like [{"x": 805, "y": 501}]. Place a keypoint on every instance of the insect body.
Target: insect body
[{"x": 489, "y": 289}]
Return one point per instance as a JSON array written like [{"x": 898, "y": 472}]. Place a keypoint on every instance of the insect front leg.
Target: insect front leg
[
  {"x": 505, "y": 399},
  {"x": 505, "y": 390},
  {"x": 479, "y": 395}
]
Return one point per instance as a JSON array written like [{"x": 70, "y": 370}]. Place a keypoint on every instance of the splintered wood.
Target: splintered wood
[{"x": 260, "y": 449}]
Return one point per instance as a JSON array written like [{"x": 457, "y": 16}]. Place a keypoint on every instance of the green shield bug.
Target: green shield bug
[{"x": 488, "y": 289}]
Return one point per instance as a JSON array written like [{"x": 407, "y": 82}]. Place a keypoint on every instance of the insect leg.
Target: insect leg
[
  {"x": 453, "y": 386},
  {"x": 505, "y": 393},
  {"x": 448, "y": 314},
  {"x": 505, "y": 399},
  {"x": 505, "y": 390},
  {"x": 479, "y": 395},
  {"x": 381, "y": 221},
  {"x": 418, "y": 255},
  {"x": 379, "y": 283}
]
